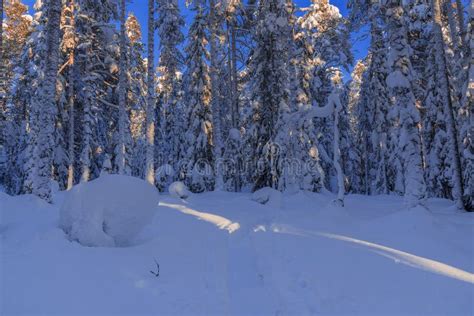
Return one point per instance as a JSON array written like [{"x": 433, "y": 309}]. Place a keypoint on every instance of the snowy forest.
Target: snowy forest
[
  {"x": 252, "y": 96},
  {"x": 236, "y": 157}
]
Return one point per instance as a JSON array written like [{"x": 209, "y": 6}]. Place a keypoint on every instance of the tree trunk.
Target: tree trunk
[
  {"x": 43, "y": 151},
  {"x": 70, "y": 171},
  {"x": 2, "y": 70},
  {"x": 335, "y": 99},
  {"x": 446, "y": 100},
  {"x": 455, "y": 35},
  {"x": 122, "y": 91},
  {"x": 462, "y": 26},
  {"x": 215, "y": 106},
  {"x": 150, "y": 104}
]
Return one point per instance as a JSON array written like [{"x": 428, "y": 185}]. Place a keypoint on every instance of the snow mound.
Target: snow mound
[
  {"x": 268, "y": 196},
  {"x": 109, "y": 211},
  {"x": 179, "y": 189}
]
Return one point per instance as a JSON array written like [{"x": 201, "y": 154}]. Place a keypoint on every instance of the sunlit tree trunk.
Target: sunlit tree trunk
[
  {"x": 46, "y": 100},
  {"x": 150, "y": 104},
  {"x": 122, "y": 91},
  {"x": 215, "y": 106},
  {"x": 462, "y": 26},
  {"x": 70, "y": 172}
]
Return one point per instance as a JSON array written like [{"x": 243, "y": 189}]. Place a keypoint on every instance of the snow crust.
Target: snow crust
[{"x": 109, "y": 211}]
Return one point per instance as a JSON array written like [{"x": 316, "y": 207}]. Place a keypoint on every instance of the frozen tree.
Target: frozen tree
[
  {"x": 198, "y": 158},
  {"x": 334, "y": 101},
  {"x": 326, "y": 37},
  {"x": 15, "y": 29},
  {"x": 44, "y": 104},
  {"x": 150, "y": 101},
  {"x": 467, "y": 119},
  {"x": 215, "y": 104},
  {"x": 269, "y": 94},
  {"x": 445, "y": 95},
  {"x": 96, "y": 60},
  {"x": 401, "y": 91},
  {"x": 172, "y": 122},
  {"x": 123, "y": 131},
  {"x": 136, "y": 96},
  {"x": 360, "y": 119}
]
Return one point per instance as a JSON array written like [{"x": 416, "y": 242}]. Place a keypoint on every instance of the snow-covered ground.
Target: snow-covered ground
[{"x": 224, "y": 254}]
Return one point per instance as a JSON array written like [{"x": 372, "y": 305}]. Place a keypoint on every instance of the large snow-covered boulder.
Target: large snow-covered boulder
[
  {"x": 268, "y": 196},
  {"x": 179, "y": 189},
  {"x": 109, "y": 211}
]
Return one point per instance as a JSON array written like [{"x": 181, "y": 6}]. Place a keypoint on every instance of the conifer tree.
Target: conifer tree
[
  {"x": 269, "y": 94},
  {"x": 198, "y": 158},
  {"x": 401, "y": 91},
  {"x": 172, "y": 125},
  {"x": 45, "y": 106},
  {"x": 150, "y": 99}
]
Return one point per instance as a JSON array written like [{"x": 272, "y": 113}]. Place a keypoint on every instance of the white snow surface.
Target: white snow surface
[
  {"x": 268, "y": 196},
  {"x": 179, "y": 189},
  {"x": 109, "y": 211},
  {"x": 223, "y": 254}
]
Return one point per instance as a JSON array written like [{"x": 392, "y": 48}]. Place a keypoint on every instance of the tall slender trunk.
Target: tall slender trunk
[
  {"x": 70, "y": 171},
  {"x": 335, "y": 99},
  {"x": 446, "y": 100},
  {"x": 234, "y": 97},
  {"x": 43, "y": 151},
  {"x": 150, "y": 104},
  {"x": 215, "y": 106},
  {"x": 87, "y": 137},
  {"x": 1, "y": 42},
  {"x": 453, "y": 27},
  {"x": 122, "y": 91},
  {"x": 462, "y": 26}
]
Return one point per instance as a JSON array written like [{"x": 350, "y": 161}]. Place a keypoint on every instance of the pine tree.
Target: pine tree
[
  {"x": 361, "y": 116},
  {"x": 123, "y": 130},
  {"x": 326, "y": 38},
  {"x": 150, "y": 100},
  {"x": 44, "y": 104},
  {"x": 136, "y": 96},
  {"x": 169, "y": 25},
  {"x": 445, "y": 95},
  {"x": 269, "y": 95},
  {"x": 401, "y": 91},
  {"x": 15, "y": 29},
  {"x": 198, "y": 158},
  {"x": 97, "y": 69},
  {"x": 467, "y": 119},
  {"x": 69, "y": 45}
]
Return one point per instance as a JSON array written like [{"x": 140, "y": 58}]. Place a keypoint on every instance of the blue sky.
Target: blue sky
[{"x": 139, "y": 8}]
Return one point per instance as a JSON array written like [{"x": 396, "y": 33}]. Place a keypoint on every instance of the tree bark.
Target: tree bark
[
  {"x": 150, "y": 104},
  {"x": 215, "y": 106},
  {"x": 122, "y": 91},
  {"x": 440, "y": 58},
  {"x": 70, "y": 172},
  {"x": 462, "y": 26},
  {"x": 43, "y": 151}
]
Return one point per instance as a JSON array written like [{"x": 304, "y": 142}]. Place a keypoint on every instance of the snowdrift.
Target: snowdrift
[
  {"x": 268, "y": 196},
  {"x": 109, "y": 211},
  {"x": 179, "y": 189}
]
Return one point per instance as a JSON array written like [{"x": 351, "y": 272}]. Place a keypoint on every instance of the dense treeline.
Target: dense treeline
[{"x": 250, "y": 96}]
